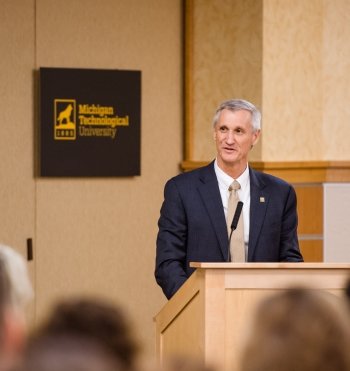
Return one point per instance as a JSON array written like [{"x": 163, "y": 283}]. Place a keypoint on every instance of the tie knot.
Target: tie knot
[{"x": 234, "y": 186}]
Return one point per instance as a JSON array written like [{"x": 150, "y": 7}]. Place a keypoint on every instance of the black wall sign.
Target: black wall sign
[{"x": 90, "y": 122}]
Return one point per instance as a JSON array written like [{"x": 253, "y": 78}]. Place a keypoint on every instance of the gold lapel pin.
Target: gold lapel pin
[{"x": 262, "y": 199}]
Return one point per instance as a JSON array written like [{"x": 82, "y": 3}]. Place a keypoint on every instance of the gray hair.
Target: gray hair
[
  {"x": 237, "y": 105},
  {"x": 20, "y": 290}
]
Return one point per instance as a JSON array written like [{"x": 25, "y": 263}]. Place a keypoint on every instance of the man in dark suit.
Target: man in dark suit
[{"x": 192, "y": 223}]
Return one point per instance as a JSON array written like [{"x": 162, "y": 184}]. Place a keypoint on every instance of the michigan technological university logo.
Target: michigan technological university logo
[
  {"x": 90, "y": 122},
  {"x": 94, "y": 120},
  {"x": 65, "y": 119}
]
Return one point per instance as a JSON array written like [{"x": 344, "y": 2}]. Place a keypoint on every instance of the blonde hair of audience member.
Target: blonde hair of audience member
[
  {"x": 16, "y": 292},
  {"x": 299, "y": 329},
  {"x": 20, "y": 288}
]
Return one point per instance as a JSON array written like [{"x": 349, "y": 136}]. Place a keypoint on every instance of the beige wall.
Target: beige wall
[
  {"x": 291, "y": 58},
  {"x": 17, "y": 185},
  {"x": 336, "y": 79},
  {"x": 16, "y": 129},
  {"x": 292, "y": 80},
  {"x": 227, "y": 62},
  {"x": 306, "y": 80},
  {"x": 94, "y": 236}
]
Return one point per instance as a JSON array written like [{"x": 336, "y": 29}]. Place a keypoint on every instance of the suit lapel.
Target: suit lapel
[
  {"x": 210, "y": 194},
  {"x": 259, "y": 199}
]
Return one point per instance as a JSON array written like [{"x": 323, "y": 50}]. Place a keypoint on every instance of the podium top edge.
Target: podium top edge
[{"x": 270, "y": 265}]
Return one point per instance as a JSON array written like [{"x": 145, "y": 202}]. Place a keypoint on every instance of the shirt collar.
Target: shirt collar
[{"x": 225, "y": 180}]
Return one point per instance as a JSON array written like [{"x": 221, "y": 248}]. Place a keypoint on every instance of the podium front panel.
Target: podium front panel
[{"x": 210, "y": 316}]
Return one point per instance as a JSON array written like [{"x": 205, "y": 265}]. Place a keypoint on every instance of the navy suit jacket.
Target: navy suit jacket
[{"x": 192, "y": 225}]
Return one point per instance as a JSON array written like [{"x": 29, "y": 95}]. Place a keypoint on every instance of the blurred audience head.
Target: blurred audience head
[
  {"x": 299, "y": 329},
  {"x": 19, "y": 289},
  {"x": 15, "y": 293},
  {"x": 347, "y": 292},
  {"x": 93, "y": 322},
  {"x": 67, "y": 353}
]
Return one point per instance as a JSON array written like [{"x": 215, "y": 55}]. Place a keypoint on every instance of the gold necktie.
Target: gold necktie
[{"x": 237, "y": 250}]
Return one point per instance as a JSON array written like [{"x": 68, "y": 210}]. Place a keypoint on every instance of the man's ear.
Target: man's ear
[{"x": 256, "y": 137}]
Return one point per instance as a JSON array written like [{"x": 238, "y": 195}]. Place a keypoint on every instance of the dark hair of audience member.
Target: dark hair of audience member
[
  {"x": 94, "y": 320},
  {"x": 347, "y": 292},
  {"x": 299, "y": 329},
  {"x": 67, "y": 353}
]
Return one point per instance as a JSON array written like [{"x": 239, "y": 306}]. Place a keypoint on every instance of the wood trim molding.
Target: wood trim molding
[{"x": 295, "y": 171}]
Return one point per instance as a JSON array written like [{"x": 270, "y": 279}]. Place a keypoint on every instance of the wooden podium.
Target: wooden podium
[{"x": 208, "y": 317}]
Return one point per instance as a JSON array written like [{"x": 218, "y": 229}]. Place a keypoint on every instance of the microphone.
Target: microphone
[
  {"x": 234, "y": 224},
  {"x": 236, "y": 216}
]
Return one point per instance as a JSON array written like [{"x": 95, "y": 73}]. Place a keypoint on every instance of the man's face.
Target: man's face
[{"x": 234, "y": 138}]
